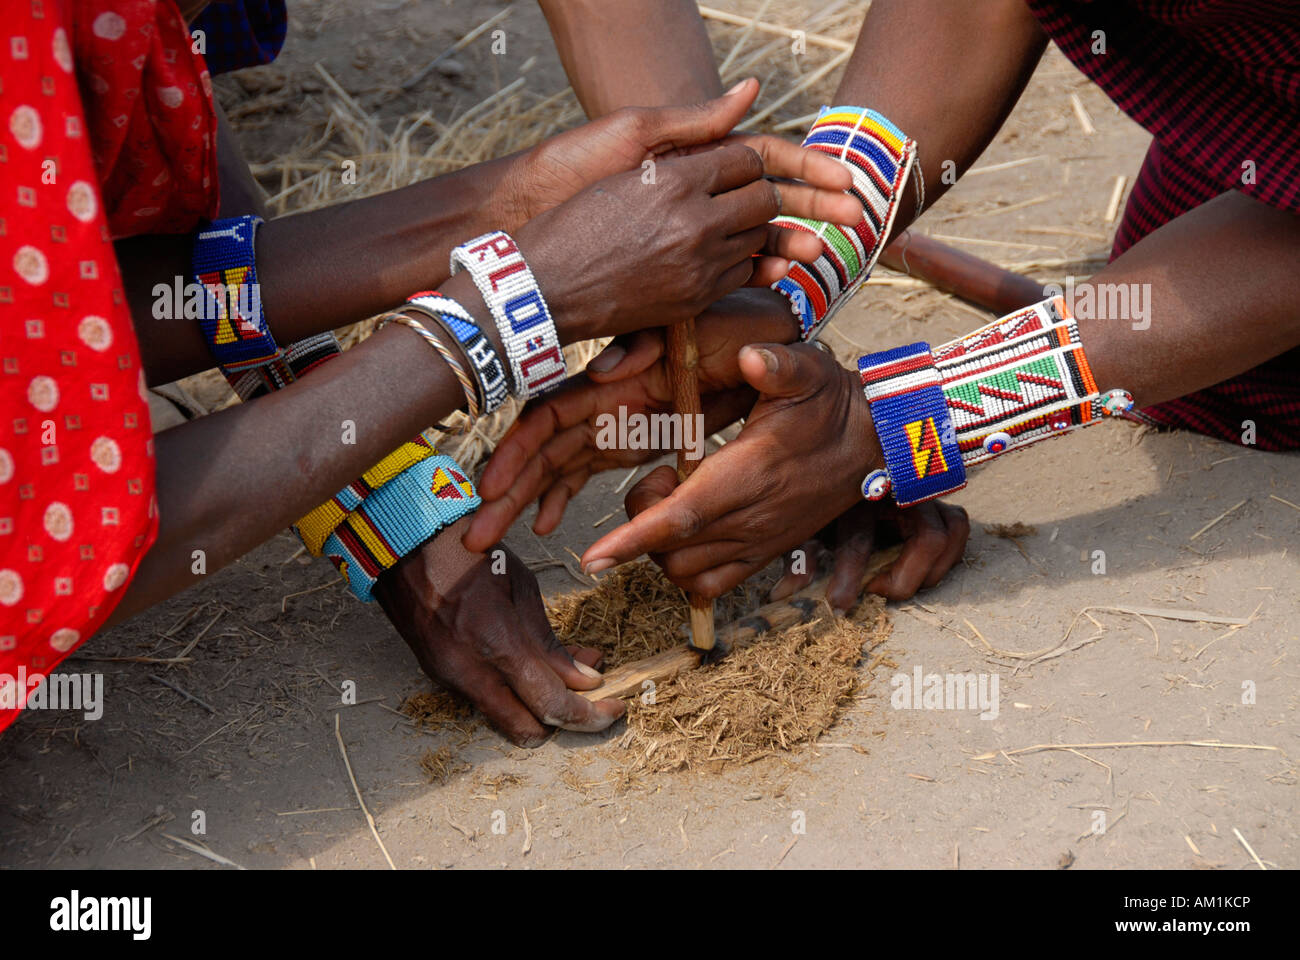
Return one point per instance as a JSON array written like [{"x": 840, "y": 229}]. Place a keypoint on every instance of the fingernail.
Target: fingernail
[
  {"x": 736, "y": 89},
  {"x": 607, "y": 359},
  {"x": 838, "y": 612},
  {"x": 780, "y": 590},
  {"x": 587, "y": 671},
  {"x": 598, "y": 566},
  {"x": 769, "y": 359}
]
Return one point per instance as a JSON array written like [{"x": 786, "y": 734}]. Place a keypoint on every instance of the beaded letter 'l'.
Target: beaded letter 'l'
[
  {"x": 880, "y": 158},
  {"x": 511, "y": 293}
]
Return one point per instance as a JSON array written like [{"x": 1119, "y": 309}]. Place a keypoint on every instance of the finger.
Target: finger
[
  {"x": 849, "y": 567},
  {"x": 535, "y": 681},
  {"x": 767, "y": 271},
  {"x": 714, "y": 583},
  {"x": 626, "y": 356},
  {"x": 668, "y": 128},
  {"x": 528, "y": 607},
  {"x": 801, "y": 200},
  {"x": 551, "y": 508},
  {"x": 487, "y": 690},
  {"x": 799, "y": 568},
  {"x": 925, "y": 537},
  {"x": 722, "y": 170},
  {"x": 794, "y": 241},
  {"x": 534, "y": 428},
  {"x": 747, "y": 206},
  {"x": 958, "y": 524},
  {"x": 650, "y": 489},
  {"x": 588, "y": 655},
  {"x": 666, "y": 516},
  {"x": 783, "y": 158},
  {"x": 733, "y": 278},
  {"x": 776, "y": 370},
  {"x": 687, "y": 562}
]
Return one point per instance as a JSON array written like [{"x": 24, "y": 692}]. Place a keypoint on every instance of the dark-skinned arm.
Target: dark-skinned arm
[
  {"x": 700, "y": 223},
  {"x": 803, "y": 453},
  {"x": 326, "y": 268}
]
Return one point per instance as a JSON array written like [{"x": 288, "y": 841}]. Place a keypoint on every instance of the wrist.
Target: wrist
[
  {"x": 508, "y": 207},
  {"x": 561, "y": 286},
  {"x": 867, "y": 454}
]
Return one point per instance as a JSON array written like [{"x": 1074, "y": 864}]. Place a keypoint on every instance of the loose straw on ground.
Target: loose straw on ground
[
  {"x": 370, "y": 821},
  {"x": 1118, "y": 744},
  {"x": 817, "y": 39},
  {"x": 1117, "y": 194},
  {"x": 1081, "y": 114},
  {"x": 202, "y": 851}
]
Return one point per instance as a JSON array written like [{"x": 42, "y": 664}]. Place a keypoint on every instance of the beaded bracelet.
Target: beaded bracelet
[
  {"x": 879, "y": 157},
  {"x": 431, "y": 338},
  {"x": 397, "y": 519},
  {"x": 289, "y": 363},
  {"x": 490, "y": 374},
  {"x": 224, "y": 264},
  {"x": 911, "y": 418},
  {"x": 1005, "y": 386},
  {"x": 1020, "y": 379},
  {"x": 316, "y": 526},
  {"x": 512, "y": 295}
]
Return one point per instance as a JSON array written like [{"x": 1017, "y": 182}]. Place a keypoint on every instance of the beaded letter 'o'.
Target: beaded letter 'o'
[
  {"x": 997, "y": 442},
  {"x": 876, "y": 486}
]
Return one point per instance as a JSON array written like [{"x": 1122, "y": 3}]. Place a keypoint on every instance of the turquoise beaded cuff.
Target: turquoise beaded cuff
[{"x": 397, "y": 518}]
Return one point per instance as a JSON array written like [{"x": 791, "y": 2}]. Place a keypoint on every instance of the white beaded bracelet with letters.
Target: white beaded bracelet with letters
[{"x": 511, "y": 293}]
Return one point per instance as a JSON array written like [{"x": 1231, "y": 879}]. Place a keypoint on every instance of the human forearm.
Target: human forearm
[
  {"x": 229, "y": 481},
  {"x": 642, "y": 53},
  {"x": 319, "y": 270},
  {"x": 947, "y": 73},
  {"x": 1206, "y": 325}
]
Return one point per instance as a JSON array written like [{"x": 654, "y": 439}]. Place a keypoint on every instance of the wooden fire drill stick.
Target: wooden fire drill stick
[{"x": 683, "y": 371}]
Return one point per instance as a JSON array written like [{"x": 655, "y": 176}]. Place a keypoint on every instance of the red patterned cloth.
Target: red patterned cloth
[
  {"x": 1217, "y": 83},
  {"x": 77, "y": 507}
]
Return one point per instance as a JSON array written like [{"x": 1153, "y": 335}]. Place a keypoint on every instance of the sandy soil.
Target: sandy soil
[{"x": 887, "y": 787}]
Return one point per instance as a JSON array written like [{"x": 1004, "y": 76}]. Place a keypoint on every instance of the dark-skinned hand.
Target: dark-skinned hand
[
  {"x": 933, "y": 535},
  {"x": 552, "y": 450},
  {"x": 560, "y": 167},
  {"x": 625, "y": 255},
  {"x": 485, "y": 635},
  {"x": 797, "y": 464}
]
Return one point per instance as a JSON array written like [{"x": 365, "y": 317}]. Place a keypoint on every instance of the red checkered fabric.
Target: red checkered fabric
[{"x": 1217, "y": 83}]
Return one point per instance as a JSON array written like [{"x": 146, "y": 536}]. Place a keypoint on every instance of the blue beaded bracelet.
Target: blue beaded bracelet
[
  {"x": 912, "y": 420},
  {"x": 233, "y": 322}
]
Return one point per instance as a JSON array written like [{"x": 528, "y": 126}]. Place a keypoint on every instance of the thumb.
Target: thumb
[
  {"x": 670, "y": 128},
  {"x": 775, "y": 370}
]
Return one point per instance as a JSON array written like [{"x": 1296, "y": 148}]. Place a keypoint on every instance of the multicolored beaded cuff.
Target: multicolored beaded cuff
[
  {"x": 1020, "y": 379},
  {"x": 315, "y": 527},
  {"x": 488, "y": 371},
  {"x": 880, "y": 158},
  {"x": 512, "y": 295},
  {"x": 233, "y": 322},
  {"x": 912, "y": 421},
  {"x": 397, "y": 518},
  {"x": 290, "y": 363}
]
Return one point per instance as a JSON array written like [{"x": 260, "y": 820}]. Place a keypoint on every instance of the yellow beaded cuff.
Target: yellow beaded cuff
[{"x": 315, "y": 528}]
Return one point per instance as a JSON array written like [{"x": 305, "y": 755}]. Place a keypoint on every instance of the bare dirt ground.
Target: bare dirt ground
[{"x": 886, "y": 787}]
